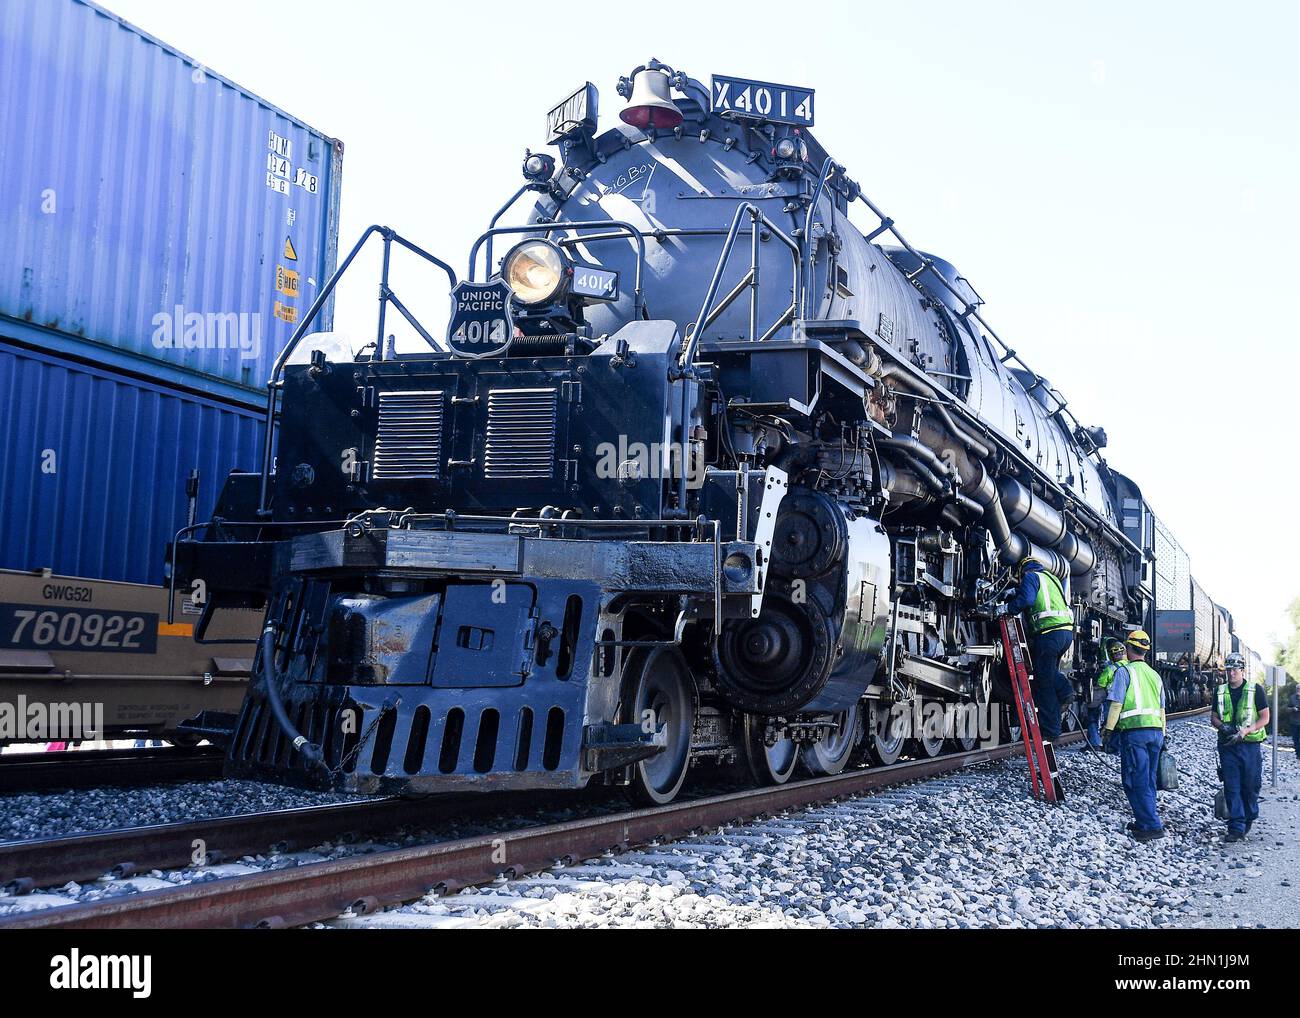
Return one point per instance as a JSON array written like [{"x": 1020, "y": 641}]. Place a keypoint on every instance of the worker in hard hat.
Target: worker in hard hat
[
  {"x": 1135, "y": 719},
  {"x": 1113, "y": 650},
  {"x": 1241, "y": 716},
  {"x": 1040, "y": 595}
]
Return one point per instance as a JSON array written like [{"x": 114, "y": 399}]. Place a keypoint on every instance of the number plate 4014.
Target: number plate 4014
[{"x": 763, "y": 100}]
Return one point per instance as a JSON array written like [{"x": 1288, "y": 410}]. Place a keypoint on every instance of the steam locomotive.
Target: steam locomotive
[{"x": 701, "y": 473}]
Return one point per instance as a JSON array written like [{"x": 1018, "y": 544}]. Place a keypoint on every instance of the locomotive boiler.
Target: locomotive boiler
[{"x": 701, "y": 473}]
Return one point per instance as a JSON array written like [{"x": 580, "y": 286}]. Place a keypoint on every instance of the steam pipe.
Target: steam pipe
[
  {"x": 1043, "y": 522},
  {"x": 918, "y": 450},
  {"x": 897, "y": 375}
]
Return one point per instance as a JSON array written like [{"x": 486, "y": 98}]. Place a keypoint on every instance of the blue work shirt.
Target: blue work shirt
[{"x": 1025, "y": 593}]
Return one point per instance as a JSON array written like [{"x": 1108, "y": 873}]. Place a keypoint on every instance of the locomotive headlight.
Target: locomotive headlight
[
  {"x": 786, "y": 148},
  {"x": 535, "y": 271}
]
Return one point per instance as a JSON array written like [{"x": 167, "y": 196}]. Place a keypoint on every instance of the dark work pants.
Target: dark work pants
[
  {"x": 1050, "y": 686},
  {"x": 1139, "y": 757},
  {"x": 1243, "y": 772}
]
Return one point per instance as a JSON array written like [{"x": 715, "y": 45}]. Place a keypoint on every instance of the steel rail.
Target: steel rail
[
  {"x": 367, "y": 883},
  {"x": 96, "y": 768},
  {"x": 84, "y": 856}
]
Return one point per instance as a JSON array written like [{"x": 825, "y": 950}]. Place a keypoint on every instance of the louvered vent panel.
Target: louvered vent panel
[
  {"x": 520, "y": 433},
  {"x": 409, "y": 443}
]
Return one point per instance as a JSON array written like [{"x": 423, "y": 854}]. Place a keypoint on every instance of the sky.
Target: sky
[{"x": 1118, "y": 181}]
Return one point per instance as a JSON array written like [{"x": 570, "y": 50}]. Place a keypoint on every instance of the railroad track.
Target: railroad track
[
  {"x": 96, "y": 768},
  {"x": 367, "y": 883}
]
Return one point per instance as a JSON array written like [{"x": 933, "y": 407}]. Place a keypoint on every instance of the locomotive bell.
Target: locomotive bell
[{"x": 650, "y": 104}]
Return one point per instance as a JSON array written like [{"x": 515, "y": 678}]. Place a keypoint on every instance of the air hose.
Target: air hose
[{"x": 314, "y": 756}]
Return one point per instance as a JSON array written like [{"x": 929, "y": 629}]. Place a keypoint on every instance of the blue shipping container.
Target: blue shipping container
[
  {"x": 93, "y": 466},
  {"x": 156, "y": 217}
]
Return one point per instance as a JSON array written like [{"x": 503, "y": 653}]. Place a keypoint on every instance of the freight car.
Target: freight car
[
  {"x": 164, "y": 230},
  {"x": 703, "y": 473}
]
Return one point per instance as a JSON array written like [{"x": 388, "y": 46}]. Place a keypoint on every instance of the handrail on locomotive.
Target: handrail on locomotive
[{"x": 801, "y": 247}]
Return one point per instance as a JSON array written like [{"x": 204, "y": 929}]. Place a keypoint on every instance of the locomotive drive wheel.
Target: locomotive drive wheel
[
  {"x": 927, "y": 745},
  {"x": 883, "y": 746},
  {"x": 1011, "y": 731},
  {"x": 661, "y": 684},
  {"x": 967, "y": 736},
  {"x": 831, "y": 755},
  {"x": 769, "y": 765}
]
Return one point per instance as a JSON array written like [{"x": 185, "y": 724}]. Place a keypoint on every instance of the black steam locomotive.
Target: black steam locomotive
[{"x": 701, "y": 473}]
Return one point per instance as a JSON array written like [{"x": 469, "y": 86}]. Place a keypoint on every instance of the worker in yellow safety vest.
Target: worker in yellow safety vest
[
  {"x": 1040, "y": 595},
  {"x": 1136, "y": 721},
  {"x": 1241, "y": 715},
  {"x": 1114, "y": 654}
]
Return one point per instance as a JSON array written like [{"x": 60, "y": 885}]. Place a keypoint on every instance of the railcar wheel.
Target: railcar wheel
[
  {"x": 831, "y": 755},
  {"x": 884, "y": 745},
  {"x": 769, "y": 765},
  {"x": 663, "y": 693}
]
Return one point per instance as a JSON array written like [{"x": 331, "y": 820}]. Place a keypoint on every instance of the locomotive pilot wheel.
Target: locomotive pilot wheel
[{"x": 662, "y": 693}]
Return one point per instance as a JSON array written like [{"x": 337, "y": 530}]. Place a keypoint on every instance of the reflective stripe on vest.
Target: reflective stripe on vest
[
  {"x": 1107, "y": 676},
  {"x": 1050, "y": 610},
  {"x": 1248, "y": 715},
  {"x": 1142, "y": 698}
]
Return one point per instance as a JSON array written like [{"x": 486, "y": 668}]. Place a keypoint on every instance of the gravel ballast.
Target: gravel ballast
[
  {"x": 965, "y": 850},
  {"x": 969, "y": 850}
]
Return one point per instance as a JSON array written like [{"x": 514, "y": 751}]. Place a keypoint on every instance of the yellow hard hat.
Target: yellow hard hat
[
  {"x": 1114, "y": 649},
  {"x": 1139, "y": 639}
]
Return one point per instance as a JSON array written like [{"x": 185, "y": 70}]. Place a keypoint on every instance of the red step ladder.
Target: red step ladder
[{"x": 1044, "y": 781}]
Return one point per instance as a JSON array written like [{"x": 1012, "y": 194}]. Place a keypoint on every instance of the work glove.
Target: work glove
[
  {"x": 1227, "y": 735},
  {"x": 1105, "y": 738}
]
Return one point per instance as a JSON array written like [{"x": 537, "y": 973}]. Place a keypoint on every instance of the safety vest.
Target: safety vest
[
  {"x": 1107, "y": 676},
  {"x": 1050, "y": 610},
  {"x": 1247, "y": 715},
  {"x": 1142, "y": 698}
]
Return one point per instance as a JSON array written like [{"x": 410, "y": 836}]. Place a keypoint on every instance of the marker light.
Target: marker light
[
  {"x": 535, "y": 271},
  {"x": 538, "y": 167}
]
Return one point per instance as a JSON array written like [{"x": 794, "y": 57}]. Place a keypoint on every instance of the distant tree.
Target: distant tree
[{"x": 1288, "y": 654}]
